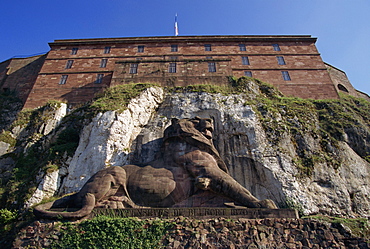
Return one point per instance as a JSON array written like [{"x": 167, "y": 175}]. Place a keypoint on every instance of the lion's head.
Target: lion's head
[
  {"x": 197, "y": 132},
  {"x": 202, "y": 128}
]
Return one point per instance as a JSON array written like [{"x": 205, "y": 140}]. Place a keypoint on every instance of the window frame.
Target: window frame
[
  {"x": 212, "y": 67},
  {"x": 172, "y": 67},
  {"x": 286, "y": 76},
  {"x": 74, "y": 51},
  {"x": 69, "y": 64},
  {"x": 248, "y": 73},
  {"x": 242, "y": 47},
  {"x": 103, "y": 63},
  {"x": 140, "y": 48},
  {"x": 63, "y": 79},
  {"x": 99, "y": 78},
  {"x": 133, "y": 68},
  {"x": 174, "y": 48},
  {"x": 281, "y": 60},
  {"x": 207, "y": 47},
  {"x": 107, "y": 49},
  {"x": 276, "y": 47},
  {"x": 245, "y": 60}
]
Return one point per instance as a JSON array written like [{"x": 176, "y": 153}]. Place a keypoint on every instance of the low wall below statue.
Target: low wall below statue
[{"x": 248, "y": 213}]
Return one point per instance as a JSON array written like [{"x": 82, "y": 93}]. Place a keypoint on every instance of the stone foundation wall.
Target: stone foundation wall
[{"x": 226, "y": 233}]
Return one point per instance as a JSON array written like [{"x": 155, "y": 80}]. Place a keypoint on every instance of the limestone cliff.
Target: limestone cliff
[{"x": 293, "y": 158}]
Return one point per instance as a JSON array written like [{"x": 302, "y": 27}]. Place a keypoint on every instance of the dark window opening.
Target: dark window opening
[
  {"x": 103, "y": 62},
  {"x": 342, "y": 88},
  {"x": 242, "y": 47},
  {"x": 140, "y": 49},
  {"x": 69, "y": 64},
  {"x": 245, "y": 60},
  {"x": 172, "y": 67},
  {"x": 133, "y": 68},
  {"x": 207, "y": 47},
  {"x": 174, "y": 48},
  {"x": 63, "y": 79},
  {"x": 211, "y": 67},
  {"x": 276, "y": 47},
  {"x": 74, "y": 50},
  {"x": 280, "y": 60},
  {"x": 248, "y": 73},
  {"x": 107, "y": 50},
  {"x": 99, "y": 78},
  {"x": 285, "y": 75}
]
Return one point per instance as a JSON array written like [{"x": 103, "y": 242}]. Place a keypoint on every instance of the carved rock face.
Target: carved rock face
[{"x": 188, "y": 165}]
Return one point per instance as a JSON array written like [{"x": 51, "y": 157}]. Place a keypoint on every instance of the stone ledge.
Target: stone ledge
[{"x": 198, "y": 212}]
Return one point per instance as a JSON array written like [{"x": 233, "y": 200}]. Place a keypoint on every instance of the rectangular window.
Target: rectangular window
[
  {"x": 99, "y": 78},
  {"x": 280, "y": 60},
  {"x": 69, "y": 64},
  {"x": 242, "y": 47},
  {"x": 140, "y": 49},
  {"x": 103, "y": 62},
  {"x": 74, "y": 50},
  {"x": 63, "y": 79},
  {"x": 248, "y": 73},
  {"x": 172, "y": 67},
  {"x": 107, "y": 50},
  {"x": 245, "y": 60},
  {"x": 133, "y": 68},
  {"x": 286, "y": 75},
  {"x": 174, "y": 48},
  {"x": 207, "y": 47},
  {"x": 211, "y": 67},
  {"x": 173, "y": 58},
  {"x": 276, "y": 47}
]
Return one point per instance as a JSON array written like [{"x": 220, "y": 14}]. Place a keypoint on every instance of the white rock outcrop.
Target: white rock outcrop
[
  {"x": 106, "y": 141},
  {"x": 47, "y": 188}
]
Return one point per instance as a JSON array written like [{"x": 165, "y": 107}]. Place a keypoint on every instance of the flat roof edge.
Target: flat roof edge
[{"x": 185, "y": 38}]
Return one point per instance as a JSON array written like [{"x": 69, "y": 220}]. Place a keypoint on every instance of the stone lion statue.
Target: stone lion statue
[{"x": 187, "y": 172}]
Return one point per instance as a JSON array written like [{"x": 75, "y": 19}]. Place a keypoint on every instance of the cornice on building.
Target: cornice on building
[{"x": 211, "y": 38}]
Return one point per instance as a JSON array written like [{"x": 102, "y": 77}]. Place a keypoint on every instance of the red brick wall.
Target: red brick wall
[
  {"x": 309, "y": 78},
  {"x": 19, "y": 74}
]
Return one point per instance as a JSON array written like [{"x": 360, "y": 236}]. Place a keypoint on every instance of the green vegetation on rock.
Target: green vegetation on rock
[
  {"x": 359, "y": 227},
  {"x": 117, "y": 98},
  {"x": 106, "y": 232},
  {"x": 6, "y": 137}
]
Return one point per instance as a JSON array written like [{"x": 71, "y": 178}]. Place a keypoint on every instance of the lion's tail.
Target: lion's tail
[{"x": 88, "y": 204}]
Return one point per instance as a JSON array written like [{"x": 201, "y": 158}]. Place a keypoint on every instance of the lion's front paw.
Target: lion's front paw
[{"x": 267, "y": 203}]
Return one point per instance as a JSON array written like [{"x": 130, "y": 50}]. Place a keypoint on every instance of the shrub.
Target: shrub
[{"x": 106, "y": 232}]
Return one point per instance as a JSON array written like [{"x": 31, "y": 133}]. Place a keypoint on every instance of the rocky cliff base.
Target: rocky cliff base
[{"x": 209, "y": 233}]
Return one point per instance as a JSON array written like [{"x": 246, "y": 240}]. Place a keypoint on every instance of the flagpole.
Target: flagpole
[{"x": 176, "y": 26}]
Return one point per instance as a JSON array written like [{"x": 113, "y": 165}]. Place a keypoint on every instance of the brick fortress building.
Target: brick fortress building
[{"x": 75, "y": 70}]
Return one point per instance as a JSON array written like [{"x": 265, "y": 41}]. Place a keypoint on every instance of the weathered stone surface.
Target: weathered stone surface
[
  {"x": 4, "y": 148},
  {"x": 48, "y": 187},
  {"x": 187, "y": 165},
  {"x": 107, "y": 139},
  {"x": 267, "y": 171},
  {"x": 221, "y": 233},
  {"x": 199, "y": 212}
]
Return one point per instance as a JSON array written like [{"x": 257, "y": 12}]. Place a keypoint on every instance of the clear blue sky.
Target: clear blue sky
[{"x": 341, "y": 26}]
